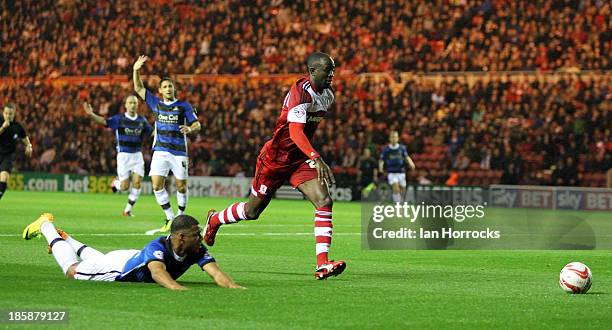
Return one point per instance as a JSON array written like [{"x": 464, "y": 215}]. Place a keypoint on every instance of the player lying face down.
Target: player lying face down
[{"x": 161, "y": 261}]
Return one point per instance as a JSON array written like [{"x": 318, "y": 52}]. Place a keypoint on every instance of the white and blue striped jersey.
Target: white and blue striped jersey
[
  {"x": 129, "y": 133},
  {"x": 160, "y": 249},
  {"x": 168, "y": 118}
]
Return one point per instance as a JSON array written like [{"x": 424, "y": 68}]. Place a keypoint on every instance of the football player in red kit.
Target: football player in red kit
[{"x": 290, "y": 156}]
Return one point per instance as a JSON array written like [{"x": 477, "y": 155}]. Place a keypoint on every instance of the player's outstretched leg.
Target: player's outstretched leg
[
  {"x": 64, "y": 255},
  {"x": 319, "y": 197},
  {"x": 237, "y": 211},
  {"x": 83, "y": 251}
]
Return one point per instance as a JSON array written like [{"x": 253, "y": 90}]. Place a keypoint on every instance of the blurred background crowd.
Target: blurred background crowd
[
  {"x": 47, "y": 38},
  {"x": 485, "y": 128}
]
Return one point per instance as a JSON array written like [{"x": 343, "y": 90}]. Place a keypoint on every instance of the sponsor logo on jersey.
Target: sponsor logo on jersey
[
  {"x": 167, "y": 119},
  {"x": 132, "y": 131}
]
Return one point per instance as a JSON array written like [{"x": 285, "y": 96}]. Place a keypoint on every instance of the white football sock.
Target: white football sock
[
  {"x": 162, "y": 199},
  {"x": 62, "y": 251},
  {"x": 82, "y": 250},
  {"x": 117, "y": 184},
  {"x": 132, "y": 198},
  {"x": 181, "y": 199}
]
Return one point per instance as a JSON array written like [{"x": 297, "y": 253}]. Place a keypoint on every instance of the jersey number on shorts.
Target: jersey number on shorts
[{"x": 311, "y": 163}]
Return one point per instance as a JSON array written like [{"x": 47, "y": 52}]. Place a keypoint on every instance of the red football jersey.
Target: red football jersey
[{"x": 302, "y": 105}]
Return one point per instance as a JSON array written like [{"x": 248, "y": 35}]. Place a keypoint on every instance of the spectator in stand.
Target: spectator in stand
[
  {"x": 550, "y": 120},
  {"x": 50, "y": 40}
]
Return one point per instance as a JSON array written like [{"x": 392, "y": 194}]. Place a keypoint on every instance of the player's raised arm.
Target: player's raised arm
[
  {"x": 138, "y": 85},
  {"x": 89, "y": 111},
  {"x": 222, "y": 279},
  {"x": 162, "y": 277}
]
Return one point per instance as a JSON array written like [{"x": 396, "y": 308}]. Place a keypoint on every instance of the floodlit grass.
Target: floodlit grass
[{"x": 274, "y": 258}]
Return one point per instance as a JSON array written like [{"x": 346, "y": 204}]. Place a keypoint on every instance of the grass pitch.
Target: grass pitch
[{"x": 274, "y": 258}]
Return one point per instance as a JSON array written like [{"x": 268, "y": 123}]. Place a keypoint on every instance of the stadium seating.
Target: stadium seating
[
  {"x": 100, "y": 37},
  {"x": 475, "y": 124}
]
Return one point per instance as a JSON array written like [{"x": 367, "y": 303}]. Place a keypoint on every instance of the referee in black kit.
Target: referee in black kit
[{"x": 10, "y": 131}]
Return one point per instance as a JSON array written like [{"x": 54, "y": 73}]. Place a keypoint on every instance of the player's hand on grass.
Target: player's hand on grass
[
  {"x": 324, "y": 173},
  {"x": 140, "y": 62},
  {"x": 236, "y": 286},
  {"x": 177, "y": 287},
  {"x": 185, "y": 129}
]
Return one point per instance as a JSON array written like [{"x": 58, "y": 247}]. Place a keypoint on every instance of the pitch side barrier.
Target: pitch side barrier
[
  {"x": 546, "y": 197},
  {"x": 495, "y": 217},
  {"x": 199, "y": 186}
]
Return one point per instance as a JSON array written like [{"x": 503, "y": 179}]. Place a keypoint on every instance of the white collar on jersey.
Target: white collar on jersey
[
  {"x": 394, "y": 146},
  {"x": 169, "y": 102},
  {"x": 176, "y": 256},
  {"x": 132, "y": 118}
]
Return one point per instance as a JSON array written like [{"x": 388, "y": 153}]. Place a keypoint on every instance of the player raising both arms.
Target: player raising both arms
[
  {"x": 290, "y": 156},
  {"x": 10, "y": 131},
  {"x": 130, "y": 130},
  {"x": 174, "y": 119}
]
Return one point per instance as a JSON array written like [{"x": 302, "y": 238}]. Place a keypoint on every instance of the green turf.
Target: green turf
[{"x": 379, "y": 289}]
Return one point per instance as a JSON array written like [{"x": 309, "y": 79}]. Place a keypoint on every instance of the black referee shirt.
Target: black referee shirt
[{"x": 9, "y": 137}]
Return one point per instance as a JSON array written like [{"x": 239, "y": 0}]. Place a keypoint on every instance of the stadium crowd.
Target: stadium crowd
[
  {"x": 489, "y": 124},
  {"x": 526, "y": 131},
  {"x": 49, "y": 38}
]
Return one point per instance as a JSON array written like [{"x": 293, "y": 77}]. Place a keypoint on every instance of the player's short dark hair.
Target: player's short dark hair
[
  {"x": 316, "y": 58},
  {"x": 166, "y": 78},
  {"x": 183, "y": 222},
  {"x": 10, "y": 106}
]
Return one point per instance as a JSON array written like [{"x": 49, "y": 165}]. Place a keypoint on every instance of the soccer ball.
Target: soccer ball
[{"x": 575, "y": 277}]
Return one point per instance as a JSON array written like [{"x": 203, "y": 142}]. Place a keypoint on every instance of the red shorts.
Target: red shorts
[{"x": 269, "y": 177}]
